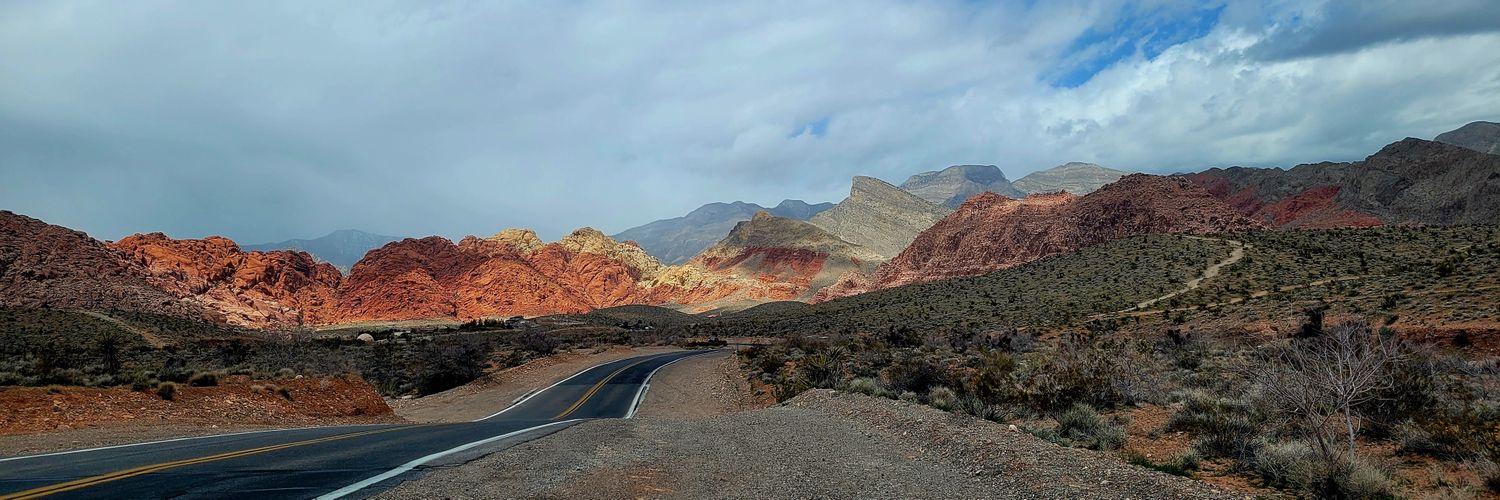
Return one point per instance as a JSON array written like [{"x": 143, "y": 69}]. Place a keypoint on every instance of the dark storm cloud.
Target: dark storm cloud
[
  {"x": 1349, "y": 25},
  {"x": 269, "y": 120}
]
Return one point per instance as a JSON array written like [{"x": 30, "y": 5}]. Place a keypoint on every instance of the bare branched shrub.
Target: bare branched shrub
[{"x": 1321, "y": 383}]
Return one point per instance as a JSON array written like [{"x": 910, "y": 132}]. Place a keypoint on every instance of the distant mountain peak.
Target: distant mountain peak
[
  {"x": 675, "y": 240},
  {"x": 342, "y": 247},
  {"x": 1480, "y": 136},
  {"x": 1074, "y": 177},
  {"x": 949, "y": 187}
]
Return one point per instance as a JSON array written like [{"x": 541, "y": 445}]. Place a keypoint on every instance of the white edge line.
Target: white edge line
[
  {"x": 534, "y": 393},
  {"x": 646, "y": 384},
  {"x": 407, "y": 467},
  {"x": 173, "y": 440}
]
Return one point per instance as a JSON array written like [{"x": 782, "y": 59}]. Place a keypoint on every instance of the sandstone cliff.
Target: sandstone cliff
[{"x": 251, "y": 289}]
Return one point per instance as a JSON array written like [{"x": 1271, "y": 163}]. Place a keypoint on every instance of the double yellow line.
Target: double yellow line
[
  {"x": 128, "y": 473},
  {"x": 594, "y": 389}
]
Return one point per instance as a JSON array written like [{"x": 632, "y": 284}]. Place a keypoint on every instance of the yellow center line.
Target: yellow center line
[
  {"x": 591, "y": 390},
  {"x": 147, "y": 469}
]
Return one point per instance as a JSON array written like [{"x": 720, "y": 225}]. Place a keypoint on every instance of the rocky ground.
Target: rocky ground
[{"x": 820, "y": 444}]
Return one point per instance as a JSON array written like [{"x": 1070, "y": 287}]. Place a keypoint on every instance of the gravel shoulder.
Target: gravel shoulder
[
  {"x": 819, "y": 444},
  {"x": 702, "y": 386}
]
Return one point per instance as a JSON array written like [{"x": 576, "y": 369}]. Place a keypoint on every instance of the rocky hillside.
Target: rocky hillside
[
  {"x": 675, "y": 240},
  {"x": 991, "y": 232},
  {"x": 879, "y": 217},
  {"x": 251, "y": 289},
  {"x": 1408, "y": 182},
  {"x": 794, "y": 257},
  {"x": 42, "y": 265},
  {"x": 1073, "y": 177},
  {"x": 512, "y": 273},
  {"x": 949, "y": 187},
  {"x": 341, "y": 248},
  {"x": 1483, "y": 137}
]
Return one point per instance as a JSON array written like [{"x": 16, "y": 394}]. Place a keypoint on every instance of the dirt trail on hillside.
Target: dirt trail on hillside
[
  {"x": 1210, "y": 272},
  {"x": 150, "y": 336}
]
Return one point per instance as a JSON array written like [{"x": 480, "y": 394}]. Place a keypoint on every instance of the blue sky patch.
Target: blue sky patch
[
  {"x": 1148, "y": 33},
  {"x": 816, "y": 128}
]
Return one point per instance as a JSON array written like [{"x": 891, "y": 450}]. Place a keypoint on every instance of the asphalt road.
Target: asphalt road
[{"x": 356, "y": 461}]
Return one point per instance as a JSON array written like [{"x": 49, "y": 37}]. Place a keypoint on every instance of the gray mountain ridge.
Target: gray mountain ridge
[
  {"x": 342, "y": 248},
  {"x": 675, "y": 240}
]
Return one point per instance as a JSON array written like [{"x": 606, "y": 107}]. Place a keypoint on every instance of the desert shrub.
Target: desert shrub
[
  {"x": 1298, "y": 465},
  {"x": 167, "y": 390},
  {"x": 1174, "y": 467},
  {"x": 911, "y": 372},
  {"x": 993, "y": 380},
  {"x": 1082, "y": 425},
  {"x": 820, "y": 370},
  {"x": 204, "y": 379},
  {"x": 868, "y": 386},
  {"x": 1454, "y": 435},
  {"x": 444, "y": 365},
  {"x": 1288, "y": 464},
  {"x": 539, "y": 342},
  {"x": 1101, "y": 373},
  {"x": 1359, "y": 479},
  {"x": 1223, "y": 427},
  {"x": 943, "y": 398}
]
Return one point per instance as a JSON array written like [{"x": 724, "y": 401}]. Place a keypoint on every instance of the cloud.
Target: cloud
[
  {"x": 1333, "y": 27},
  {"x": 263, "y": 121}
]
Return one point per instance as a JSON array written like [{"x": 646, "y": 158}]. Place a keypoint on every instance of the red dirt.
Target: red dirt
[{"x": 238, "y": 401}]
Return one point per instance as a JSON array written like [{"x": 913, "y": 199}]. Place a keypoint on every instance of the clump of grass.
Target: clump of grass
[
  {"x": 1183, "y": 465},
  {"x": 1082, "y": 425},
  {"x": 204, "y": 379},
  {"x": 942, "y": 398},
  {"x": 867, "y": 386},
  {"x": 167, "y": 390}
]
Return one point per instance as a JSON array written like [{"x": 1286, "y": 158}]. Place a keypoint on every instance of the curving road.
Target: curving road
[{"x": 323, "y": 462}]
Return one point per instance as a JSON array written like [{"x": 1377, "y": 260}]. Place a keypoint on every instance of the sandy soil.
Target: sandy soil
[
  {"x": 41, "y": 419},
  {"x": 496, "y": 391}
]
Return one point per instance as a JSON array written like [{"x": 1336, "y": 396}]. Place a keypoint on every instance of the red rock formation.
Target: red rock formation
[
  {"x": 252, "y": 289},
  {"x": 990, "y": 232},
  {"x": 512, "y": 273},
  {"x": 42, "y": 265}
]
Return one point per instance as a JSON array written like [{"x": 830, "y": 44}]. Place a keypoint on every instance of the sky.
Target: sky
[{"x": 263, "y": 121}]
